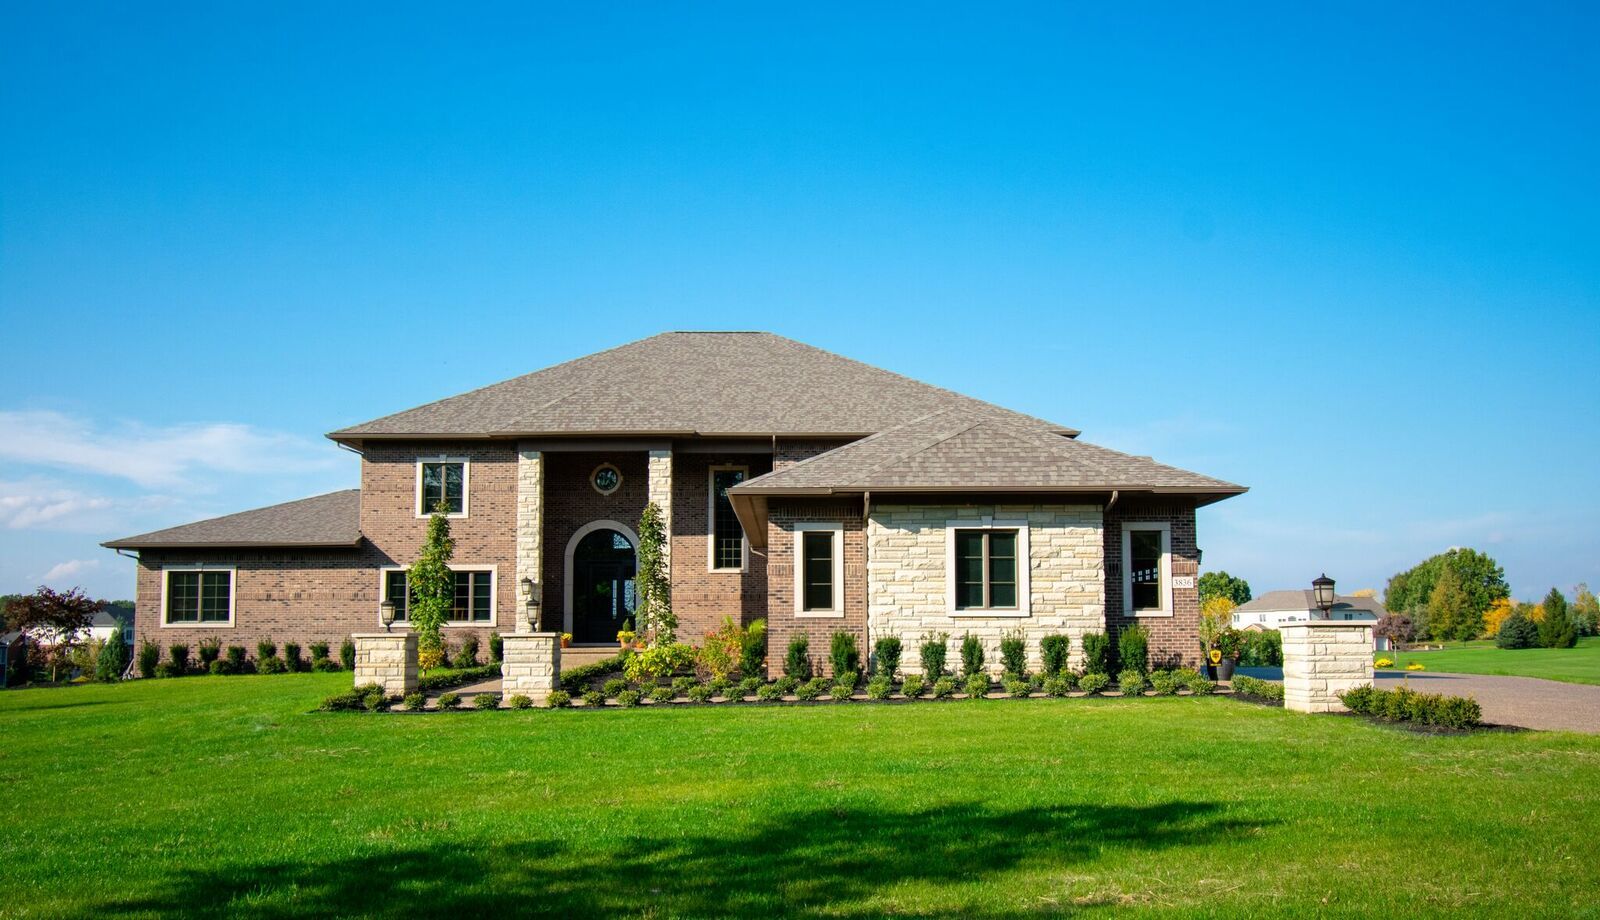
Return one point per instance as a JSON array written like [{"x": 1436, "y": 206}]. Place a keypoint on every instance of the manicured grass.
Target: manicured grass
[
  {"x": 226, "y": 796},
  {"x": 1580, "y": 665}
]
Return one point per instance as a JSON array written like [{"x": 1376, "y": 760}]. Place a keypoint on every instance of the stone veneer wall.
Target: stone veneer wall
[
  {"x": 1323, "y": 658},
  {"x": 782, "y": 622},
  {"x": 387, "y": 659},
  {"x": 660, "y": 492},
  {"x": 1174, "y": 638},
  {"x": 530, "y": 532},
  {"x": 531, "y": 665},
  {"x": 907, "y": 558}
]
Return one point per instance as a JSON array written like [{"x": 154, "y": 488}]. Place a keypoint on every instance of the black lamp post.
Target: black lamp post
[
  {"x": 531, "y": 589},
  {"x": 1322, "y": 588}
]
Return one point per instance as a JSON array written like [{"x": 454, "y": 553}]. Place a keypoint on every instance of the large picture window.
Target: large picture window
[
  {"x": 472, "y": 600},
  {"x": 819, "y": 569},
  {"x": 987, "y": 568},
  {"x": 198, "y": 597},
  {"x": 441, "y": 481},
  {"x": 1146, "y": 569},
  {"x": 727, "y": 550}
]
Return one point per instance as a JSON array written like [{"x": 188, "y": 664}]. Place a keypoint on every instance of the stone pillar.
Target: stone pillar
[
  {"x": 388, "y": 659},
  {"x": 1321, "y": 659},
  {"x": 530, "y": 529},
  {"x": 530, "y": 664},
  {"x": 661, "y": 495}
]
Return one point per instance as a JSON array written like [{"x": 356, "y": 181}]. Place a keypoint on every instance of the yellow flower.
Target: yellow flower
[
  {"x": 1415, "y": 666},
  {"x": 1384, "y": 662}
]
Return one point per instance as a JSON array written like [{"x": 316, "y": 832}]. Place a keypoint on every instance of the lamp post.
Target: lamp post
[
  {"x": 531, "y": 589},
  {"x": 1322, "y": 589},
  {"x": 386, "y": 614}
]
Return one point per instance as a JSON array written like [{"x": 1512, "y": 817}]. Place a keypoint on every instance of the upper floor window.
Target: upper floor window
[
  {"x": 472, "y": 600},
  {"x": 1146, "y": 569},
  {"x": 819, "y": 569},
  {"x": 441, "y": 481},
  {"x": 197, "y": 597},
  {"x": 727, "y": 549}
]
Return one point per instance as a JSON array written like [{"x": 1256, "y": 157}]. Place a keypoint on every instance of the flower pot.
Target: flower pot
[{"x": 1224, "y": 669}]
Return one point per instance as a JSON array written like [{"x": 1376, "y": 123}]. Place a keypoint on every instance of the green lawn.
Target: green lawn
[
  {"x": 1580, "y": 665},
  {"x": 225, "y": 796}
]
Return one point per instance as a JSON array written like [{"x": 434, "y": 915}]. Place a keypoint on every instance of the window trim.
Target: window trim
[
  {"x": 494, "y": 596},
  {"x": 1024, "y": 606},
  {"x": 608, "y": 465},
  {"x": 836, "y": 528},
  {"x": 1165, "y": 586},
  {"x": 711, "y": 522},
  {"x": 568, "y": 557},
  {"x": 466, "y": 485},
  {"x": 233, "y": 595}
]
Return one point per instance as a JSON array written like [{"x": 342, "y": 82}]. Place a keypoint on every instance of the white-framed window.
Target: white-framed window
[
  {"x": 1147, "y": 568},
  {"x": 726, "y": 547},
  {"x": 442, "y": 479},
  {"x": 986, "y": 568},
  {"x": 818, "y": 569},
  {"x": 197, "y": 595},
  {"x": 474, "y": 595}
]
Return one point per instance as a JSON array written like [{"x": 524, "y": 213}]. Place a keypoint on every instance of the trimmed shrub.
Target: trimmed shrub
[
  {"x": 786, "y": 685},
  {"x": 841, "y": 691},
  {"x": 486, "y": 701},
  {"x": 1035, "y": 683},
  {"x": 812, "y": 688},
  {"x": 497, "y": 648},
  {"x": 1093, "y": 682},
  {"x": 352, "y": 700},
  {"x": 1133, "y": 649},
  {"x": 1053, "y": 651},
  {"x": 149, "y": 657},
  {"x": 220, "y": 668},
  {"x": 977, "y": 686},
  {"x": 415, "y": 701},
  {"x": 272, "y": 666},
  {"x": 628, "y": 699},
  {"x": 1263, "y": 649},
  {"x": 750, "y": 685},
  {"x": 913, "y": 686},
  {"x": 1403, "y": 704},
  {"x": 1199, "y": 685},
  {"x": 178, "y": 653},
  {"x": 1016, "y": 688},
  {"x": 291, "y": 656},
  {"x": 594, "y": 698},
  {"x": 1261, "y": 689},
  {"x": 558, "y": 699},
  {"x": 886, "y": 657},
  {"x": 719, "y": 684},
  {"x": 1130, "y": 682},
  {"x": 614, "y": 686},
  {"x": 848, "y": 679},
  {"x": 971, "y": 656},
  {"x": 266, "y": 648},
  {"x": 662, "y": 695},
  {"x": 1164, "y": 683},
  {"x": 769, "y": 693},
  {"x": 933, "y": 652},
  {"x": 467, "y": 655},
  {"x": 753, "y": 652},
  {"x": 319, "y": 652},
  {"x": 208, "y": 650},
  {"x": 166, "y": 669},
  {"x": 1014, "y": 655},
  {"x": 1057, "y": 686},
  {"x": 449, "y": 699},
  {"x": 1096, "y": 653},
  {"x": 701, "y": 693},
  {"x": 578, "y": 679},
  {"x": 347, "y": 654},
  {"x": 879, "y": 687},
  {"x": 112, "y": 660},
  {"x": 374, "y": 701},
  {"x": 944, "y": 688},
  {"x": 325, "y": 666},
  {"x": 449, "y": 679},
  {"x": 797, "y": 661},
  {"x": 843, "y": 654},
  {"x": 682, "y": 684},
  {"x": 236, "y": 659}
]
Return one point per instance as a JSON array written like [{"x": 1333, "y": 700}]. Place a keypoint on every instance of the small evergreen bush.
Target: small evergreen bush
[
  {"x": 208, "y": 650},
  {"x": 1260, "y": 689},
  {"x": 913, "y": 686},
  {"x": 1130, "y": 682},
  {"x": 1016, "y": 687},
  {"x": 449, "y": 699},
  {"x": 769, "y": 693},
  {"x": 749, "y": 686},
  {"x": 467, "y": 655},
  {"x": 178, "y": 653},
  {"x": 237, "y": 662},
  {"x": 683, "y": 684},
  {"x": 886, "y": 656},
  {"x": 319, "y": 652},
  {"x": 221, "y": 668},
  {"x": 812, "y": 688},
  {"x": 486, "y": 701},
  {"x": 1014, "y": 655},
  {"x": 594, "y": 698},
  {"x": 879, "y": 687},
  {"x": 347, "y": 654},
  {"x": 841, "y": 691},
  {"x": 1517, "y": 631},
  {"x": 628, "y": 699},
  {"x": 971, "y": 656},
  {"x": 944, "y": 688},
  {"x": 720, "y": 685},
  {"x": 662, "y": 695},
  {"x": 112, "y": 660},
  {"x": 266, "y": 648},
  {"x": 1093, "y": 682},
  {"x": 797, "y": 661},
  {"x": 786, "y": 685},
  {"x": 701, "y": 693},
  {"x": 1053, "y": 652},
  {"x": 149, "y": 657},
  {"x": 415, "y": 701},
  {"x": 1057, "y": 686},
  {"x": 375, "y": 701},
  {"x": 933, "y": 652},
  {"x": 558, "y": 699},
  {"x": 843, "y": 654},
  {"x": 977, "y": 686},
  {"x": 753, "y": 650},
  {"x": 849, "y": 679},
  {"x": 1096, "y": 652},
  {"x": 325, "y": 665},
  {"x": 1199, "y": 685},
  {"x": 497, "y": 648},
  {"x": 1133, "y": 648},
  {"x": 272, "y": 666},
  {"x": 614, "y": 687},
  {"x": 352, "y": 700},
  {"x": 1403, "y": 704},
  {"x": 1164, "y": 683},
  {"x": 291, "y": 656}
]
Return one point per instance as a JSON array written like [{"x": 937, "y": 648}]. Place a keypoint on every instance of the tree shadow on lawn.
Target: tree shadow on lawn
[{"x": 810, "y": 863}]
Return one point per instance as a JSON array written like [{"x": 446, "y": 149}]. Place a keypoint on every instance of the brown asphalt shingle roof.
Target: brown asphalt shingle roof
[
  {"x": 683, "y": 383},
  {"x": 977, "y": 449},
  {"x": 332, "y": 520}
]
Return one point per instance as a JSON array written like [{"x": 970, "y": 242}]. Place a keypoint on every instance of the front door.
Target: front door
[{"x": 603, "y": 567}]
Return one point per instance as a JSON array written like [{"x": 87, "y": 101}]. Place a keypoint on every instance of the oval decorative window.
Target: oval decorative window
[{"x": 605, "y": 478}]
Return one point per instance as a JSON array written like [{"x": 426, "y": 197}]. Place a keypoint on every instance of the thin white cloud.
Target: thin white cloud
[
  {"x": 156, "y": 457},
  {"x": 44, "y": 505},
  {"x": 72, "y": 568}
]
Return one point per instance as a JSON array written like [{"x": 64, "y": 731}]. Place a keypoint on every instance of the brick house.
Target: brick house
[{"x": 798, "y": 486}]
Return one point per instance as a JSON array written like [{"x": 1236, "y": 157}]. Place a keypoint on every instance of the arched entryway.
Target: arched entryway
[{"x": 601, "y": 560}]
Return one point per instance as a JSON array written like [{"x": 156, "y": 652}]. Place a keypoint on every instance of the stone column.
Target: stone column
[
  {"x": 1321, "y": 659},
  {"x": 388, "y": 659},
  {"x": 530, "y": 664},
  {"x": 530, "y": 529},
  {"x": 661, "y": 495}
]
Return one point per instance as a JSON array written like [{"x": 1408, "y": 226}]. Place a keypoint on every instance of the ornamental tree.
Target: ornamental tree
[
  {"x": 656, "y": 619},
  {"x": 54, "y": 621},
  {"x": 432, "y": 587},
  {"x": 1556, "y": 629},
  {"x": 1396, "y": 627},
  {"x": 1478, "y": 576},
  {"x": 1449, "y": 612},
  {"x": 1585, "y": 611},
  {"x": 1221, "y": 584}
]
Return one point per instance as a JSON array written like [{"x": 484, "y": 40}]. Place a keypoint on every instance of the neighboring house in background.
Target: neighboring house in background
[
  {"x": 814, "y": 491},
  {"x": 110, "y": 621},
  {"x": 1275, "y": 608},
  {"x": 11, "y": 651}
]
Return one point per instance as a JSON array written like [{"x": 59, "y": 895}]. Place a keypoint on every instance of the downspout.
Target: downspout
[{"x": 1110, "y": 504}]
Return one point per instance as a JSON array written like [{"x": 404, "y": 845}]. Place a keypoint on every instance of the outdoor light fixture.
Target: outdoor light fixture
[
  {"x": 386, "y": 614},
  {"x": 531, "y": 588},
  {"x": 1322, "y": 587}
]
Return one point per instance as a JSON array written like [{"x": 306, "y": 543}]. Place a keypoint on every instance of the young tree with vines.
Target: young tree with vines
[
  {"x": 655, "y": 617},
  {"x": 433, "y": 587}
]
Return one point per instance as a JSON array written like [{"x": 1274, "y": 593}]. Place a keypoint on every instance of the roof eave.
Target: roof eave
[{"x": 139, "y": 543}]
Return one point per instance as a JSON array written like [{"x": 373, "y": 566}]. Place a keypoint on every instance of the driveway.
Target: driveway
[{"x": 1525, "y": 701}]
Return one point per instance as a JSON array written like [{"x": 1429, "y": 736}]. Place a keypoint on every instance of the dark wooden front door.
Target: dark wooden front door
[{"x": 603, "y": 568}]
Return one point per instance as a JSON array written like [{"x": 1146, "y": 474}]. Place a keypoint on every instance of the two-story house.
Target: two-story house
[{"x": 799, "y": 486}]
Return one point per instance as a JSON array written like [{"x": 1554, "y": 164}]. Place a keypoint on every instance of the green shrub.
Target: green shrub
[
  {"x": 1014, "y": 655},
  {"x": 1133, "y": 649},
  {"x": 467, "y": 655},
  {"x": 786, "y": 685},
  {"x": 843, "y": 654},
  {"x": 291, "y": 656},
  {"x": 977, "y": 686},
  {"x": 266, "y": 648},
  {"x": 220, "y": 668},
  {"x": 178, "y": 654},
  {"x": 112, "y": 660},
  {"x": 558, "y": 699},
  {"x": 415, "y": 701},
  {"x": 1164, "y": 683},
  {"x": 1130, "y": 682},
  {"x": 944, "y": 688},
  {"x": 886, "y": 657},
  {"x": 208, "y": 650},
  {"x": 352, "y": 700},
  {"x": 578, "y": 679},
  {"x": 149, "y": 657},
  {"x": 1035, "y": 683},
  {"x": 769, "y": 693},
  {"x": 971, "y": 656},
  {"x": 753, "y": 650},
  {"x": 750, "y": 685},
  {"x": 719, "y": 684},
  {"x": 701, "y": 693},
  {"x": 1016, "y": 687},
  {"x": 374, "y": 701},
  {"x": 797, "y": 661},
  {"x": 628, "y": 699},
  {"x": 879, "y": 687},
  {"x": 932, "y": 653},
  {"x": 841, "y": 691},
  {"x": 325, "y": 666},
  {"x": 662, "y": 694},
  {"x": 319, "y": 652},
  {"x": 614, "y": 687},
  {"x": 1053, "y": 652},
  {"x": 1263, "y": 649},
  {"x": 449, "y": 699},
  {"x": 1260, "y": 689},
  {"x": 272, "y": 666},
  {"x": 347, "y": 654},
  {"x": 812, "y": 688},
  {"x": 1403, "y": 704},
  {"x": 1199, "y": 685},
  {"x": 1096, "y": 653},
  {"x": 167, "y": 669},
  {"x": 913, "y": 686},
  {"x": 594, "y": 698},
  {"x": 1057, "y": 686},
  {"x": 497, "y": 649},
  {"x": 1517, "y": 631},
  {"x": 683, "y": 684},
  {"x": 658, "y": 661},
  {"x": 848, "y": 679},
  {"x": 444, "y": 680},
  {"x": 486, "y": 701},
  {"x": 1093, "y": 682}
]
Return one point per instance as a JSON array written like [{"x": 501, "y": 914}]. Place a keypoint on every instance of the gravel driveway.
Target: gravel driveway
[{"x": 1525, "y": 701}]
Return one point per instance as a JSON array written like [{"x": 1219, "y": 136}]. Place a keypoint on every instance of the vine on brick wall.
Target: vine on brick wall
[
  {"x": 655, "y": 617},
  {"x": 433, "y": 587}
]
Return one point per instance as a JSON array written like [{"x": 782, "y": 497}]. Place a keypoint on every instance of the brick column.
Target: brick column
[
  {"x": 1321, "y": 659},
  {"x": 661, "y": 495},
  {"x": 530, "y": 529},
  {"x": 530, "y": 664},
  {"x": 387, "y": 659}
]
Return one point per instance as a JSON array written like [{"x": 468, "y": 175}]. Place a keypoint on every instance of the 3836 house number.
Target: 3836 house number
[{"x": 1183, "y": 581}]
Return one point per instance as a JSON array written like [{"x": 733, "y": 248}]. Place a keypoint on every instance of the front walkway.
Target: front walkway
[{"x": 570, "y": 658}]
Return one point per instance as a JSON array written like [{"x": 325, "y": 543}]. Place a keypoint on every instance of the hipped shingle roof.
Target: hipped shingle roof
[{"x": 332, "y": 520}]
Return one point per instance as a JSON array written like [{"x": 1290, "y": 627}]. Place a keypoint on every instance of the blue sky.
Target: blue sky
[{"x": 1349, "y": 257}]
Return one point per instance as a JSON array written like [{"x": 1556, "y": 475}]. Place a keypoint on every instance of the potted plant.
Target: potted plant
[
  {"x": 1230, "y": 642},
  {"x": 626, "y": 635},
  {"x": 566, "y": 640}
]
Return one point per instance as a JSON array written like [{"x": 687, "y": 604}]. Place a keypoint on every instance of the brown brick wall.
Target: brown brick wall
[
  {"x": 782, "y": 623},
  {"x": 1174, "y": 637},
  {"x": 570, "y": 502},
  {"x": 700, "y": 597}
]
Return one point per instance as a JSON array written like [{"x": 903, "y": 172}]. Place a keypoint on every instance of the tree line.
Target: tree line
[{"x": 1463, "y": 594}]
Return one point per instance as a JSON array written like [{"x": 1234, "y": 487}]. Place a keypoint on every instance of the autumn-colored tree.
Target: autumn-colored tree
[
  {"x": 1216, "y": 615},
  {"x": 55, "y": 622},
  {"x": 1585, "y": 611},
  {"x": 1364, "y": 592},
  {"x": 1499, "y": 609},
  {"x": 1478, "y": 577},
  {"x": 1448, "y": 610},
  {"x": 1396, "y": 627}
]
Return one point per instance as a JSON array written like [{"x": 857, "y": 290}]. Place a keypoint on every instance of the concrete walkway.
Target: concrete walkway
[{"x": 1525, "y": 701}]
